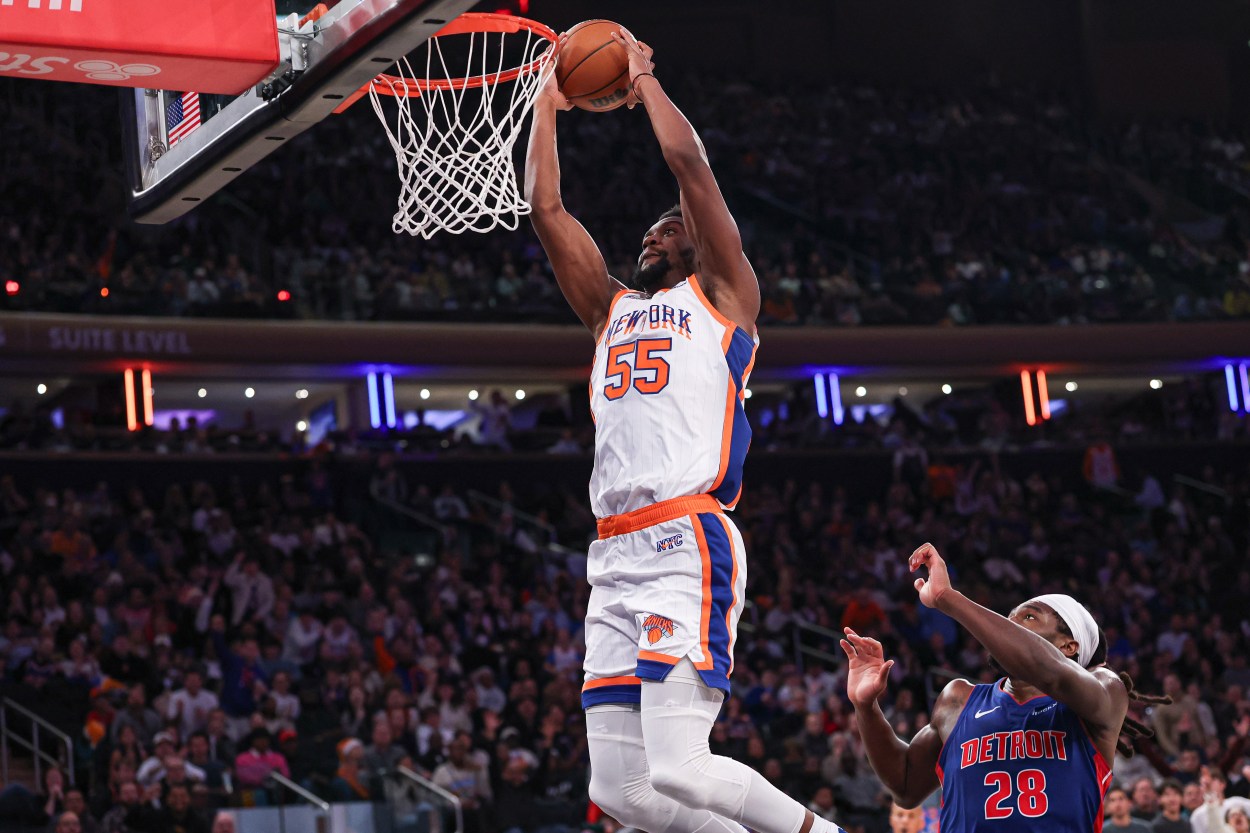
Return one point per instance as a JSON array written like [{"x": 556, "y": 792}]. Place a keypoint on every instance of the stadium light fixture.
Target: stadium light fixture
[
  {"x": 375, "y": 407},
  {"x": 1026, "y": 388},
  {"x": 388, "y": 400}
]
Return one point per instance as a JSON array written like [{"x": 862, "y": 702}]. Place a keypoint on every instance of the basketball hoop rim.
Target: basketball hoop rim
[{"x": 467, "y": 24}]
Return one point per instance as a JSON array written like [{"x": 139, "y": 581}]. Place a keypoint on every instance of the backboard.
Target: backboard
[{"x": 183, "y": 146}]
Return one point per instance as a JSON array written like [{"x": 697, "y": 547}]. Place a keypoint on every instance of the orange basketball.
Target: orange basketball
[{"x": 593, "y": 69}]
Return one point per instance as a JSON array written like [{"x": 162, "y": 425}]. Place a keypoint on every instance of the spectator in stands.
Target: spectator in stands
[
  {"x": 1171, "y": 818},
  {"x": 137, "y": 716},
  {"x": 1100, "y": 468},
  {"x": 241, "y": 671},
  {"x": 79, "y": 666},
  {"x": 1119, "y": 818},
  {"x": 518, "y": 807},
  {"x": 190, "y": 705},
  {"x": 904, "y": 820},
  {"x": 822, "y": 804},
  {"x": 489, "y": 695},
  {"x": 464, "y": 775},
  {"x": 350, "y": 782},
  {"x": 200, "y": 758},
  {"x": 152, "y": 769},
  {"x": 495, "y": 421},
  {"x": 381, "y": 755},
  {"x": 176, "y": 813},
  {"x": 253, "y": 765},
  {"x": 302, "y": 636},
  {"x": 251, "y": 590},
  {"x": 567, "y": 444},
  {"x": 76, "y": 803},
  {"x": 128, "y": 801},
  {"x": 221, "y": 749},
  {"x": 286, "y": 703},
  {"x": 862, "y": 795},
  {"x": 68, "y": 822},
  {"x": 1178, "y": 725},
  {"x": 450, "y": 506},
  {"x": 1145, "y": 800}
]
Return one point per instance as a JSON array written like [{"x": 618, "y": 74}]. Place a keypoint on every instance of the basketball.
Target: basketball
[{"x": 593, "y": 69}]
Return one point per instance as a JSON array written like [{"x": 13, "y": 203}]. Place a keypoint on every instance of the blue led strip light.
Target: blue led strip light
[{"x": 375, "y": 410}]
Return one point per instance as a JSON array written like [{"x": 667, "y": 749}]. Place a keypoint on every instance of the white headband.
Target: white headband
[{"x": 1079, "y": 621}]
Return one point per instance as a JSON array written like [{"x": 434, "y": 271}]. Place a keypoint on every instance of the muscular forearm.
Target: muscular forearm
[
  {"x": 678, "y": 140},
  {"x": 887, "y": 752},
  {"x": 542, "y": 163},
  {"x": 1023, "y": 654}
]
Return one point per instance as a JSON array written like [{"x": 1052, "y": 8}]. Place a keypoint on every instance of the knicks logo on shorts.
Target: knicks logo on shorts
[
  {"x": 670, "y": 543},
  {"x": 657, "y": 627}
]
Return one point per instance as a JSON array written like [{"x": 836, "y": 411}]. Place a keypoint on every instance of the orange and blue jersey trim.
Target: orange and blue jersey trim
[
  {"x": 611, "y": 690},
  {"x": 739, "y": 347},
  {"x": 719, "y": 597}
]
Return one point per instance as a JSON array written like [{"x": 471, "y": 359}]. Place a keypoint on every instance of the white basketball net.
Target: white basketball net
[{"x": 454, "y": 146}]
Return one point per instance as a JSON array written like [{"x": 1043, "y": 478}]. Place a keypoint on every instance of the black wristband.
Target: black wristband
[{"x": 634, "y": 84}]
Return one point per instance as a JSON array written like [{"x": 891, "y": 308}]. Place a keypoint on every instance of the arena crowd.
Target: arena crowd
[
  {"x": 875, "y": 206},
  {"x": 194, "y": 640}
]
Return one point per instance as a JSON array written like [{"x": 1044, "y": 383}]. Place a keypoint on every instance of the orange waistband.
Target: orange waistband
[{"x": 656, "y": 513}]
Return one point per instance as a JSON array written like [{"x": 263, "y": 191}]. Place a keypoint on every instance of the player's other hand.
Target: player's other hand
[
  {"x": 640, "y": 62},
  {"x": 939, "y": 581},
  {"x": 868, "y": 671},
  {"x": 551, "y": 90}
]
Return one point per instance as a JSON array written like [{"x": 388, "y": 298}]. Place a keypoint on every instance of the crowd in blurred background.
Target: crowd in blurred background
[
  {"x": 859, "y": 205},
  {"x": 194, "y": 638}
]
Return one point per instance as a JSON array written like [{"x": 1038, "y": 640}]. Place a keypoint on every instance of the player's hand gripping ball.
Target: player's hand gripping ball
[{"x": 592, "y": 68}]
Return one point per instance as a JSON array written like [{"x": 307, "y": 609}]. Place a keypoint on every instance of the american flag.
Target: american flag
[{"x": 182, "y": 115}]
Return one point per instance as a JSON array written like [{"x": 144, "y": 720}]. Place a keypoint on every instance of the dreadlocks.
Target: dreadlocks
[{"x": 1131, "y": 729}]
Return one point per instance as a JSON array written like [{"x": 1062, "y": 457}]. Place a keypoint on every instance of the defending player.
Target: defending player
[
  {"x": 1030, "y": 752},
  {"x": 673, "y": 353}
]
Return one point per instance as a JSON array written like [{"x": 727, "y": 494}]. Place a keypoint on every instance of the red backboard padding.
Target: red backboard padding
[{"x": 219, "y": 46}]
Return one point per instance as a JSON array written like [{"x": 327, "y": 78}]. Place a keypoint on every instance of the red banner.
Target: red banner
[{"x": 221, "y": 46}]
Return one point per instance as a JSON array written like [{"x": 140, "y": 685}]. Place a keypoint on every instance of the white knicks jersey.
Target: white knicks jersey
[{"x": 666, "y": 393}]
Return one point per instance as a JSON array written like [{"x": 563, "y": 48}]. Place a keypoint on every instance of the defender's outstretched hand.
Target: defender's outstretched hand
[
  {"x": 640, "y": 62},
  {"x": 939, "y": 582},
  {"x": 868, "y": 670}
]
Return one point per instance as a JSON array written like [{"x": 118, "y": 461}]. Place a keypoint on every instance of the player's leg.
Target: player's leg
[
  {"x": 620, "y": 782},
  {"x": 677, "y": 717},
  {"x": 685, "y": 673}
]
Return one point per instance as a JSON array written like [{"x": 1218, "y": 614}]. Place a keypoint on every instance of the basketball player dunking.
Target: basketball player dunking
[
  {"x": 1031, "y": 752},
  {"x": 672, "y": 355}
]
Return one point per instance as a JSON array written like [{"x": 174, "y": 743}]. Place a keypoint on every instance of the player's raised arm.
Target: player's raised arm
[
  {"x": 1097, "y": 695},
  {"x": 577, "y": 262},
  {"x": 723, "y": 267},
  {"x": 906, "y": 769}
]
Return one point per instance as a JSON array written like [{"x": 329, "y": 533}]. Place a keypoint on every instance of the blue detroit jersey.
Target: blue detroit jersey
[{"x": 1026, "y": 767}]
